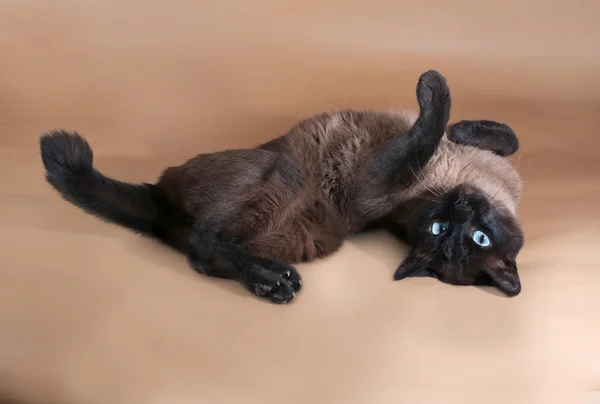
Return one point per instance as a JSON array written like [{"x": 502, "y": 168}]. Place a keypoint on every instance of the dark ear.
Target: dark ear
[
  {"x": 411, "y": 267},
  {"x": 487, "y": 135},
  {"x": 506, "y": 278}
]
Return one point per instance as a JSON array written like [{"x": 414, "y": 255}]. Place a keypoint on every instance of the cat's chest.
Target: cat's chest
[
  {"x": 453, "y": 164},
  {"x": 449, "y": 165}
]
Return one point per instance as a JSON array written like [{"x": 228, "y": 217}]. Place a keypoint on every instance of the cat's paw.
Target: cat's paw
[
  {"x": 273, "y": 280},
  {"x": 486, "y": 135},
  {"x": 433, "y": 93}
]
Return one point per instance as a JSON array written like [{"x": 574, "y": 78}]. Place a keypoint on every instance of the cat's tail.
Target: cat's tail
[{"x": 68, "y": 159}]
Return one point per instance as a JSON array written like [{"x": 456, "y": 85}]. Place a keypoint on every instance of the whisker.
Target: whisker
[
  {"x": 421, "y": 173},
  {"x": 518, "y": 162},
  {"x": 427, "y": 199},
  {"x": 427, "y": 255},
  {"x": 423, "y": 182},
  {"x": 432, "y": 186}
]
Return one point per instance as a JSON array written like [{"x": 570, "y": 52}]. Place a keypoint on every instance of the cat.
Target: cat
[{"x": 248, "y": 214}]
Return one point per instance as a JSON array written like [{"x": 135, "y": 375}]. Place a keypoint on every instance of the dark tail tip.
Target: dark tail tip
[{"x": 64, "y": 153}]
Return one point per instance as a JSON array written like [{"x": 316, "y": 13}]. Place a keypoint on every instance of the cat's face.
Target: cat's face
[{"x": 465, "y": 240}]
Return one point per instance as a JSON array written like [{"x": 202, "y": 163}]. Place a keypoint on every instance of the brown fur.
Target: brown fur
[
  {"x": 306, "y": 209},
  {"x": 296, "y": 202}
]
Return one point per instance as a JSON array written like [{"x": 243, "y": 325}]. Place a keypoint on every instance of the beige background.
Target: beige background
[{"x": 90, "y": 313}]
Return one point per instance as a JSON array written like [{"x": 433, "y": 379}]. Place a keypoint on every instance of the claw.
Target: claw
[{"x": 259, "y": 291}]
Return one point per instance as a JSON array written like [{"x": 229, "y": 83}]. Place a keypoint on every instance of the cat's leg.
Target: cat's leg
[
  {"x": 398, "y": 162},
  {"x": 259, "y": 259},
  {"x": 417, "y": 148},
  {"x": 267, "y": 278},
  {"x": 205, "y": 267},
  {"x": 233, "y": 196},
  {"x": 220, "y": 236},
  {"x": 487, "y": 135}
]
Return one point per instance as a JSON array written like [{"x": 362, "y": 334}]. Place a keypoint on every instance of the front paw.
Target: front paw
[
  {"x": 433, "y": 93},
  {"x": 273, "y": 280},
  {"x": 496, "y": 137}
]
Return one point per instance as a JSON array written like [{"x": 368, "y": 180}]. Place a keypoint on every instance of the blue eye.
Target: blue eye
[
  {"x": 438, "y": 227},
  {"x": 481, "y": 239}
]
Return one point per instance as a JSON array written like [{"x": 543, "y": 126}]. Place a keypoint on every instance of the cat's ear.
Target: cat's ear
[
  {"x": 412, "y": 267},
  {"x": 506, "y": 278},
  {"x": 487, "y": 135}
]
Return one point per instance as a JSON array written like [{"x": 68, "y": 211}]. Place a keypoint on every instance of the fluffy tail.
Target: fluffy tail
[{"x": 68, "y": 161}]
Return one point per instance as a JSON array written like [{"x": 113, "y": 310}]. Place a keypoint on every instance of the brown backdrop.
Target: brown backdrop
[{"x": 90, "y": 313}]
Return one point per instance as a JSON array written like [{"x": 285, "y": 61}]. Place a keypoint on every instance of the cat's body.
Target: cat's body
[
  {"x": 295, "y": 198},
  {"x": 247, "y": 214}
]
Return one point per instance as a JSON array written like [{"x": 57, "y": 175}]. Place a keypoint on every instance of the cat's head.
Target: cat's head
[{"x": 463, "y": 238}]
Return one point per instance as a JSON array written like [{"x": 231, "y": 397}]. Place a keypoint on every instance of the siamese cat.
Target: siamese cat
[{"x": 249, "y": 214}]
